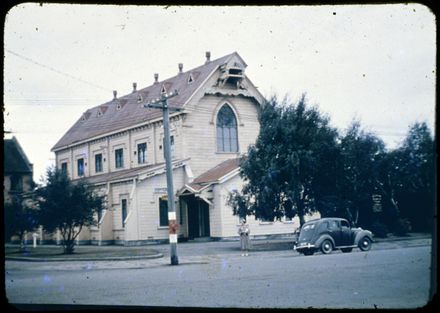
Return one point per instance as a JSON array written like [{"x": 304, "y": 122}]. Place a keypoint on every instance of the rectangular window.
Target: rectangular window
[
  {"x": 80, "y": 163},
  {"x": 163, "y": 211},
  {"x": 98, "y": 163},
  {"x": 64, "y": 167},
  {"x": 119, "y": 158},
  {"x": 124, "y": 211},
  {"x": 334, "y": 225},
  {"x": 233, "y": 140},
  {"x": 226, "y": 140},
  {"x": 171, "y": 145},
  {"x": 220, "y": 139},
  {"x": 142, "y": 153}
]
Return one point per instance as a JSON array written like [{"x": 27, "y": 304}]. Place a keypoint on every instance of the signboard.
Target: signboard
[{"x": 377, "y": 203}]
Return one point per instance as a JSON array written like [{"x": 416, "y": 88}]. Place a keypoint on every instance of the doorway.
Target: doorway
[{"x": 198, "y": 217}]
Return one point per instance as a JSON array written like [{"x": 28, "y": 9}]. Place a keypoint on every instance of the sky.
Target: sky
[{"x": 373, "y": 63}]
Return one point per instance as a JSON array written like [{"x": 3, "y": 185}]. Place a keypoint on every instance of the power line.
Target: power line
[
  {"x": 55, "y": 103},
  {"x": 57, "y": 71}
]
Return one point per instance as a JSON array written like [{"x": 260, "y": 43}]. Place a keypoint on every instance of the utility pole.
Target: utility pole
[{"x": 162, "y": 103}]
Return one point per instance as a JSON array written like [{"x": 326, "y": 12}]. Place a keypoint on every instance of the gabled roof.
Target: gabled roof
[
  {"x": 215, "y": 174},
  {"x": 15, "y": 160},
  {"x": 92, "y": 125}
]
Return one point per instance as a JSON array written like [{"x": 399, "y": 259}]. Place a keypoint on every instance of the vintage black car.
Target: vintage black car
[{"x": 327, "y": 234}]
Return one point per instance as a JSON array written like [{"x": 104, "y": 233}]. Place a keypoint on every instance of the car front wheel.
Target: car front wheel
[
  {"x": 326, "y": 246},
  {"x": 365, "y": 244}
]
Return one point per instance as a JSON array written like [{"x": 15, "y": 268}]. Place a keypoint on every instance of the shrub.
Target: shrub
[
  {"x": 379, "y": 229},
  {"x": 403, "y": 227}
]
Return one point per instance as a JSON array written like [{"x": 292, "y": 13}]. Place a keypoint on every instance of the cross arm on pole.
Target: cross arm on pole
[
  {"x": 156, "y": 106},
  {"x": 161, "y": 102}
]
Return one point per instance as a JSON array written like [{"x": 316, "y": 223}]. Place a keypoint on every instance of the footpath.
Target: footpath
[{"x": 54, "y": 253}]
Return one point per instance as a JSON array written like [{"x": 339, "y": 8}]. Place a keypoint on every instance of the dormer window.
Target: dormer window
[
  {"x": 85, "y": 116},
  {"x": 190, "y": 79},
  {"x": 163, "y": 90},
  {"x": 118, "y": 107},
  {"x": 101, "y": 110}
]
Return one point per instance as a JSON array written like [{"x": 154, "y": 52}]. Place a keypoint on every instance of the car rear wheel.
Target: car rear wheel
[
  {"x": 365, "y": 244},
  {"x": 326, "y": 246},
  {"x": 346, "y": 250},
  {"x": 308, "y": 252}
]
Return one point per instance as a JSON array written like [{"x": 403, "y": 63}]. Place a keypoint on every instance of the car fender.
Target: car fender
[
  {"x": 322, "y": 238},
  {"x": 361, "y": 234}
]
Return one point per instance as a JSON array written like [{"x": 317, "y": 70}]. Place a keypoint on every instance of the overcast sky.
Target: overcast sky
[{"x": 375, "y": 63}]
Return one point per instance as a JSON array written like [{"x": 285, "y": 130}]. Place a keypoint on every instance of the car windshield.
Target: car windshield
[
  {"x": 306, "y": 231},
  {"x": 308, "y": 227}
]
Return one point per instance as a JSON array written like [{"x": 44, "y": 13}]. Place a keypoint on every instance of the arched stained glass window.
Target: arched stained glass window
[{"x": 227, "y": 139}]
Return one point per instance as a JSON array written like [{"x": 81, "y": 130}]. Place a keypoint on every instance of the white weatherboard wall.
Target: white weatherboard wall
[
  {"x": 138, "y": 136},
  {"x": 148, "y": 192},
  {"x": 131, "y": 222},
  {"x": 118, "y": 192},
  {"x": 230, "y": 223},
  {"x": 199, "y": 127},
  {"x": 119, "y": 141},
  {"x": 200, "y": 131}
]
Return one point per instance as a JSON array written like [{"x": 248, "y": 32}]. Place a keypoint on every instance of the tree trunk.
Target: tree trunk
[
  {"x": 69, "y": 247},
  {"x": 349, "y": 215},
  {"x": 301, "y": 212},
  {"x": 356, "y": 219},
  {"x": 68, "y": 241},
  {"x": 393, "y": 201}
]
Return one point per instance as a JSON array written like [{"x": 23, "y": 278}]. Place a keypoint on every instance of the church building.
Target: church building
[{"x": 118, "y": 147}]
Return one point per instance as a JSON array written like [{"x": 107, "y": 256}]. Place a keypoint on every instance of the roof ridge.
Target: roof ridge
[
  {"x": 188, "y": 71},
  {"x": 129, "y": 95},
  {"x": 88, "y": 126}
]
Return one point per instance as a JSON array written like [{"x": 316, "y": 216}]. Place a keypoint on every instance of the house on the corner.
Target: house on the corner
[
  {"x": 18, "y": 171},
  {"x": 18, "y": 180},
  {"x": 118, "y": 147}
]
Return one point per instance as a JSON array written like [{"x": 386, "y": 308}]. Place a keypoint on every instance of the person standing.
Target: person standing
[{"x": 244, "y": 233}]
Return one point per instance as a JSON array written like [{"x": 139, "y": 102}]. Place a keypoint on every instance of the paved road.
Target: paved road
[{"x": 388, "y": 276}]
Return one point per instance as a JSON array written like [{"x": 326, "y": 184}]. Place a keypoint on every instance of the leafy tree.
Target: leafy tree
[
  {"x": 357, "y": 180},
  {"x": 282, "y": 168},
  {"x": 19, "y": 219},
  {"x": 406, "y": 178},
  {"x": 239, "y": 203},
  {"x": 416, "y": 192},
  {"x": 389, "y": 183},
  {"x": 67, "y": 206}
]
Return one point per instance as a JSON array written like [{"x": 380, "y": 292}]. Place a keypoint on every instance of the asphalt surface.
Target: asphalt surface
[
  {"x": 52, "y": 253},
  {"x": 393, "y": 274}
]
